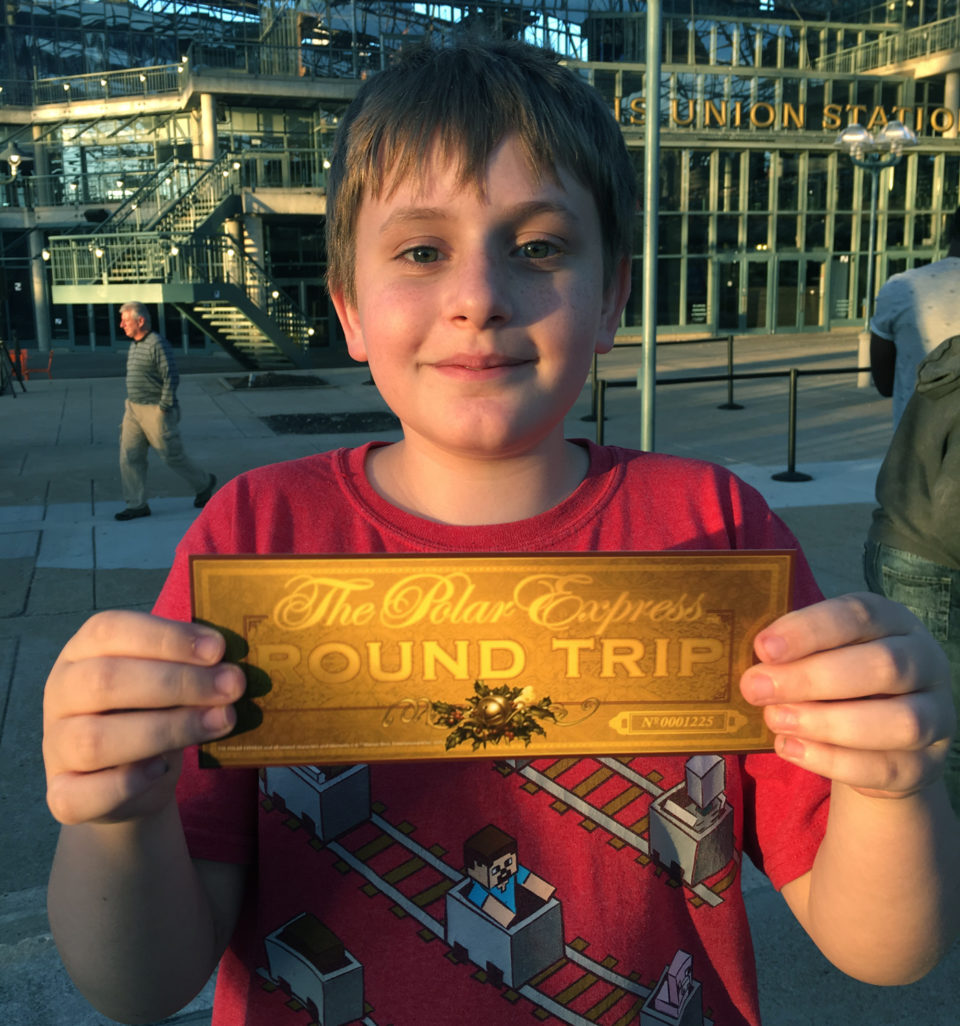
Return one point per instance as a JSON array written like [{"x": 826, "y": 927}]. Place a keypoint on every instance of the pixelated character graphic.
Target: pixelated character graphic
[
  {"x": 677, "y": 999},
  {"x": 503, "y": 917},
  {"x": 691, "y": 825},
  {"x": 308, "y": 961},
  {"x": 491, "y": 715},
  {"x": 329, "y": 800}
]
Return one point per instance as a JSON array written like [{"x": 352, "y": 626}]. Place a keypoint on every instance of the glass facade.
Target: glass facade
[{"x": 763, "y": 222}]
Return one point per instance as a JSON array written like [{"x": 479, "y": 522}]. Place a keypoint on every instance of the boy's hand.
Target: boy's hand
[
  {"x": 128, "y": 693},
  {"x": 857, "y": 690}
]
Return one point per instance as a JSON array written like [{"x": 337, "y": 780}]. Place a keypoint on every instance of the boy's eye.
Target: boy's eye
[
  {"x": 421, "y": 254},
  {"x": 539, "y": 249}
]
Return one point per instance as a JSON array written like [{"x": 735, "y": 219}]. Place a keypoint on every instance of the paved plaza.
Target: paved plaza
[{"x": 63, "y": 556}]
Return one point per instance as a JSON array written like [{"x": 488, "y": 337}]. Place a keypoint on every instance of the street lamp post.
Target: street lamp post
[{"x": 873, "y": 153}]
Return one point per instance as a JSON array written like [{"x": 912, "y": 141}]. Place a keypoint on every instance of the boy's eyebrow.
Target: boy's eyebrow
[{"x": 521, "y": 212}]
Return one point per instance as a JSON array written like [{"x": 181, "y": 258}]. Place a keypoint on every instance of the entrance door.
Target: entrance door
[
  {"x": 787, "y": 293},
  {"x": 758, "y": 299},
  {"x": 814, "y": 303},
  {"x": 727, "y": 292}
]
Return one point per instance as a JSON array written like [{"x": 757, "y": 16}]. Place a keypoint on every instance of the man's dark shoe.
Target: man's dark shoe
[
  {"x": 202, "y": 498},
  {"x": 132, "y": 513}
]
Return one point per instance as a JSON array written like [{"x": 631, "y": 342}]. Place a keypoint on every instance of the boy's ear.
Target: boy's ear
[
  {"x": 614, "y": 300},
  {"x": 350, "y": 322}
]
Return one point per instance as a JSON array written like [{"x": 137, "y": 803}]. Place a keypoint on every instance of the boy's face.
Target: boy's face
[{"x": 479, "y": 312}]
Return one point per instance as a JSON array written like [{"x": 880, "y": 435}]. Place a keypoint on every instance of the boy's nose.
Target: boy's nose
[{"x": 479, "y": 295}]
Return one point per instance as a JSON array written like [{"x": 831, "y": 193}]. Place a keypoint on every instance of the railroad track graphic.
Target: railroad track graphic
[{"x": 416, "y": 880}]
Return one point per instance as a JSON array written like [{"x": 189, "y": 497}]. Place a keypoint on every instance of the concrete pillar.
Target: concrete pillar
[
  {"x": 208, "y": 127},
  {"x": 38, "y": 283},
  {"x": 951, "y": 100}
]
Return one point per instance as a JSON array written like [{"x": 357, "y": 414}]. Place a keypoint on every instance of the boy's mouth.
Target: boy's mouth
[{"x": 478, "y": 363}]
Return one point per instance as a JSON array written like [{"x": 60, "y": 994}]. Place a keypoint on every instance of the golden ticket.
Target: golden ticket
[{"x": 358, "y": 659}]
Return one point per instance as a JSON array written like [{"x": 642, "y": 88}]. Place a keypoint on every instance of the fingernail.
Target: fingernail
[
  {"x": 760, "y": 688},
  {"x": 790, "y": 748},
  {"x": 771, "y": 646},
  {"x": 217, "y": 719},
  {"x": 226, "y": 682},
  {"x": 208, "y": 647}
]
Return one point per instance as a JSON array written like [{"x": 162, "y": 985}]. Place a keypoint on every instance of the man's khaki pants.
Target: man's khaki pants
[{"x": 145, "y": 426}]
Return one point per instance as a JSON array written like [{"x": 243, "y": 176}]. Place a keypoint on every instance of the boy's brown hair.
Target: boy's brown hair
[{"x": 465, "y": 99}]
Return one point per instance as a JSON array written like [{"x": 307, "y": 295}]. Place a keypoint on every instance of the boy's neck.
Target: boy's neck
[{"x": 468, "y": 491}]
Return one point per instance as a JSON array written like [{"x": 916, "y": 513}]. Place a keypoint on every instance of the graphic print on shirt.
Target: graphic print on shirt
[{"x": 497, "y": 914}]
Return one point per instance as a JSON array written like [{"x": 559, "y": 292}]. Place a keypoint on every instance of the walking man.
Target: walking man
[
  {"x": 916, "y": 310},
  {"x": 151, "y": 416}
]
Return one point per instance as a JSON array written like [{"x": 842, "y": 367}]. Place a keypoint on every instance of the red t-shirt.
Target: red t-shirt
[{"x": 357, "y": 910}]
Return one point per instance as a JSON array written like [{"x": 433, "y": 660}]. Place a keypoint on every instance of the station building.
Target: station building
[{"x": 174, "y": 152}]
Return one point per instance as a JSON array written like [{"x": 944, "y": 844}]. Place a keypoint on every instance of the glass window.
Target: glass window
[
  {"x": 845, "y": 176},
  {"x": 699, "y": 191},
  {"x": 926, "y": 162},
  {"x": 766, "y": 93},
  {"x": 758, "y": 231},
  {"x": 787, "y": 232},
  {"x": 788, "y": 181},
  {"x": 770, "y": 46},
  {"x": 698, "y": 232},
  {"x": 670, "y": 179},
  {"x": 951, "y": 181},
  {"x": 697, "y": 275},
  {"x": 816, "y": 97},
  {"x": 728, "y": 232},
  {"x": 898, "y": 190},
  {"x": 842, "y": 232},
  {"x": 756, "y": 294},
  {"x": 670, "y": 232},
  {"x": 729, "y": 182},
  {"x": 725, "y": 33},
  {"x": 895, "y": 230},
  {"x": 745, "y": 51},
  {"x": 701, "y": 42},
  {"x": 788, "y": 286},
  {"x": 923, "y": 233},
  {"x": 816, "y": 232},
  {"x": 669, "y": 285},
  {"x": 818, "y": 177},
  {"x": 678, "y": 34},
  {"x": 759, "y": 180}
]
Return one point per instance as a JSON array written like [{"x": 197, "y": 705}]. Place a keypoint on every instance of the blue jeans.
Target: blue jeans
[{"x": 932, "y": 593}]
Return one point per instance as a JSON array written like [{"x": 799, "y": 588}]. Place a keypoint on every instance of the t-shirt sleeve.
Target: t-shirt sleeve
[{"x": 890, "y": 303}]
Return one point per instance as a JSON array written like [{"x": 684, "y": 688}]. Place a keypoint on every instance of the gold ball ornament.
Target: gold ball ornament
[{"x": 494, "y": 712}]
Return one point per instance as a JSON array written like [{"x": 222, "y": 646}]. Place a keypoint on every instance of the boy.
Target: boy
[{"x": 481, "y": 214}]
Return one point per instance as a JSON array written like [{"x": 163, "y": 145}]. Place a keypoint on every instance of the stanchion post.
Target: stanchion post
[
  {"x": 730, "y": 404},
  {"x": 601, "y": 396},
  {"x": 791, "y": 473}
]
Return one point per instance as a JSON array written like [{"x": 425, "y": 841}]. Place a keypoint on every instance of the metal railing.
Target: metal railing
[
  {"x": 159, "y": 257},
  {"x": 261, "y": 168},
  {"x": 600, "y": 385},
  {"x": 908, "y": 44},
  {"x": 109, "y": 85},
  {"x": 73, "y": 190},
  {"x": 264, "y": 59}
]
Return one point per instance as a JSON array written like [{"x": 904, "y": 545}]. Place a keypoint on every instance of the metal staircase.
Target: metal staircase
[{"x": 168, "y": 240}]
